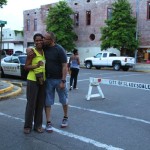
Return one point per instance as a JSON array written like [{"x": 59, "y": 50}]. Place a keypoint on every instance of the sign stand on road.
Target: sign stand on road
[{"x": 94, "y": 82}]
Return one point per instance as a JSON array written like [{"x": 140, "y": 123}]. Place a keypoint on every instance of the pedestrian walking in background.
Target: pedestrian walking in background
[
  {"x": 74, "y": 66},
  {"x": 35, "y": 87}
]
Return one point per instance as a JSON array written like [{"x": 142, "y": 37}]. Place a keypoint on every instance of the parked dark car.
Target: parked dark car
[{"x": 17, "y": 53}]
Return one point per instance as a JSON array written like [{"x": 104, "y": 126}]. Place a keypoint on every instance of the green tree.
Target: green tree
[
  {"x": 120, "y": 29},
  {"x": 3, "y": 2},
  {"x": 60, "y": 22}
]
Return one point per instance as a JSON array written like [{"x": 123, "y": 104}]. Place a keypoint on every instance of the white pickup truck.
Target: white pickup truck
[{"x": 109, "y": 59}]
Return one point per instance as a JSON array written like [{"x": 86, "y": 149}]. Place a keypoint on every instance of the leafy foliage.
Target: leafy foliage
[
  {"x": 3, "y": 2},
  {"x": 60, "y": 22},
  {"x": 121, "y": 29}
]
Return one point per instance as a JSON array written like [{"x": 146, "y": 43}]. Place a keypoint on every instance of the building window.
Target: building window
[
  {"x": 47, "y": 12},
  {"x": 76, "y": 19},
  {"x": 35, "y": 24},
  {"x": 28, "y": 24},
  {"x": 109, "y": 13},
  {"x": 88, "y": 17},
  {"x": 148, "y": 10},
  {"x": 92, "y": 37},
  {"x": 76, "y": 38},
  {"x": 30, "y": 44}
]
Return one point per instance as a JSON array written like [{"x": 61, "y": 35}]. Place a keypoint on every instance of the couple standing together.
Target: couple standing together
[{"x": 42, "y": 81}]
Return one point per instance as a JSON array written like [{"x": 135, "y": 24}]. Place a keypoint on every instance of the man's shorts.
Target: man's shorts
[{"x": 51, "y": 86}]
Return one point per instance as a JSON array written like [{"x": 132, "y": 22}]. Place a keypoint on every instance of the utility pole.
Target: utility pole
[
  {"x": 137, "y": 26},
  {"x": 137, "y": 18},
  {"x": 2, "y": 24}
]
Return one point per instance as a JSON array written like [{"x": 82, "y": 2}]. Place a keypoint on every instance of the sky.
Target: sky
[{"x": 13, "y": 11}]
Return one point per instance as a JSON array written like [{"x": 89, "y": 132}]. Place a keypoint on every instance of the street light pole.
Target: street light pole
[
  {"x": 137, "y": 18},
  {"x": 2, "y": 24},
  {"x": 137, "y": 26}
]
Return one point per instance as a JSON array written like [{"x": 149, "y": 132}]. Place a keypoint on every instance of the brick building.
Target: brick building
[{"x": 88, "y": 18}]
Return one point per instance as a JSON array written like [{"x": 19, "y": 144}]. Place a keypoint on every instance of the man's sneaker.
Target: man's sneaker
[
  {"x": 64, "y": 123},
  {"x": 70, "y": 88},
  {"x": 49, "y": 127},
  {"x": 75, "y": 88}
]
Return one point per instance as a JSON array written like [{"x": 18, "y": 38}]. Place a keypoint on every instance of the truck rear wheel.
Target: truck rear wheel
[
  {"x": 125, "y": 68},
  {"x": 98, "y": 67},
  {"x": 117, "y": 67},
  {"x": 88, "y": 65}
]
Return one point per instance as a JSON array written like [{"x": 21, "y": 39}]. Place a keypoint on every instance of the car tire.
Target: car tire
[
  {"x": 116, "y": 67},
  {"x": 98, "y": 67},
  {"x": 88, "y": 65},
  {"x": 2, "y": 73},
  {"x": 125, "y": 68}
]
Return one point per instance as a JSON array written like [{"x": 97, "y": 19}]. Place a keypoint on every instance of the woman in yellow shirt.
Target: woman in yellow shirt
[{"x": 35, "y": 87}]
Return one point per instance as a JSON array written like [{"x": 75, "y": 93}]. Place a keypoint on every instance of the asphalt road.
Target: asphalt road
[{"x": 120, "y": 121}]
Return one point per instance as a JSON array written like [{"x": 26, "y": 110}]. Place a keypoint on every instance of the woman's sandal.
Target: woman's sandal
[
  {"x": 27, "y": 130},
  {"x": 39, "y": 130}
]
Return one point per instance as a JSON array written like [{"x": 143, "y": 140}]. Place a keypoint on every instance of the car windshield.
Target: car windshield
[
  {"x": 8, "y": 59},
  {"x": 69, "y": 54},
  {"x": 98, "y": 55},
  {"x": 22, "y": 59}
]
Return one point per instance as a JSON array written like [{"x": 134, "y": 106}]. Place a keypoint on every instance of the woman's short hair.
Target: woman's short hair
[
  {"x": 37, "y": 34},
  {"x": 75, "y": 51}
]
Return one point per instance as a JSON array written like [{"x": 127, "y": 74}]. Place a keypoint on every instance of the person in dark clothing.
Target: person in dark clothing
[
  {"x": 56, "y": 72},
  {"x": 74, "y": 66}
]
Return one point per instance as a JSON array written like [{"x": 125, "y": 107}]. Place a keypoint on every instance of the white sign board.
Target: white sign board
[{"x": 141, "y": 86}]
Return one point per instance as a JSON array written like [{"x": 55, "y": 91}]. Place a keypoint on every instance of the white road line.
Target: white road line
[
  {"x": 126, "y": 75},
  {"x": 24, "y": 99},
  {"x": 110, "y": 114},
  {"x": 83, "y": 80},
  {"x": 109, "y": 76},
  {"x": 80, "y": 138},
  {"x": 105, "y": 113},
  {"x": 85, "y": 73}
]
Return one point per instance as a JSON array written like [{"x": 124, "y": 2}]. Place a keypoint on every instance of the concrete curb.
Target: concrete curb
[
  {"x": 136, "y": 68},
  {"x": 6, "y": 89},
  {"x": 10, "y": 89},
  {"x": 17, "y": 91},
  {"x": 20, "y": 84}
]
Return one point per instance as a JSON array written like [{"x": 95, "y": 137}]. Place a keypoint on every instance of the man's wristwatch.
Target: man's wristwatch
[{"x": 63, "y": 81}]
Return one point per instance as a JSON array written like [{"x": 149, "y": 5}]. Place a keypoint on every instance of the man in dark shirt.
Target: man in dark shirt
[{"x": 56, "y": 72}]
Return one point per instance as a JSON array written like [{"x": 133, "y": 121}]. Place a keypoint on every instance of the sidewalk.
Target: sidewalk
[{"x": 143, "y": 67}]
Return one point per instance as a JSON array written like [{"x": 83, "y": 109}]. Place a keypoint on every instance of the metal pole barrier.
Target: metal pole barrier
[
  {"x": 2, "y": 24},
  {"x": 0, "y": 49},
  {"x": 137, "y": 26}
]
